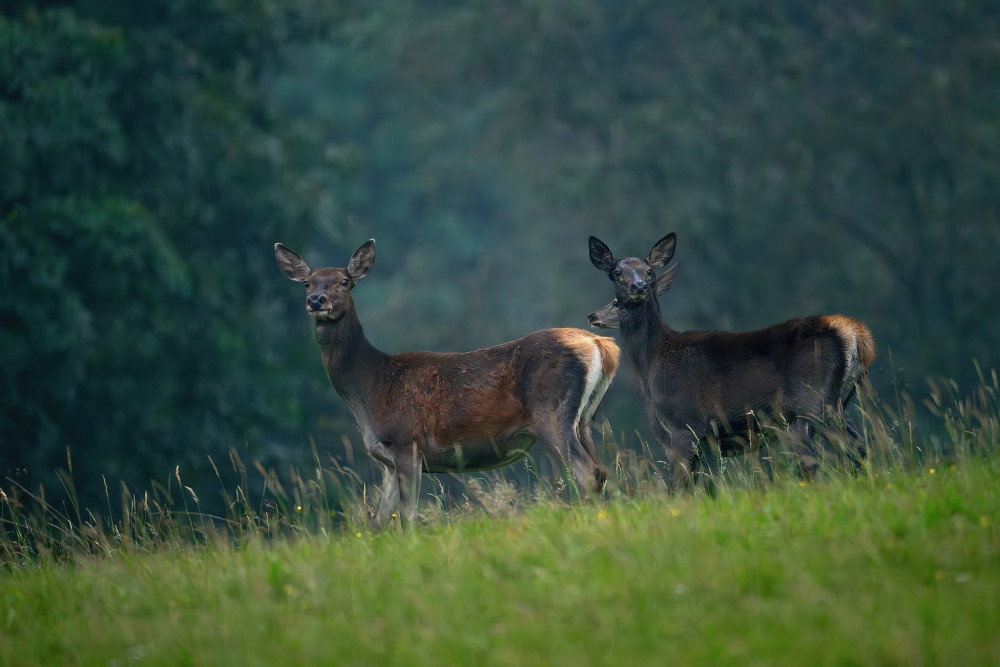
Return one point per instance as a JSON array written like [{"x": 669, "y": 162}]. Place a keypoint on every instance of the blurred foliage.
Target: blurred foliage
[
  {"x": 145, "y": 177},
  {"x": 811, "y": 158}
]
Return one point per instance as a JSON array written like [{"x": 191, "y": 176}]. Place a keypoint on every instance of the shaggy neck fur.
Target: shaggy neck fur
[{"x": 643, "y": 332}]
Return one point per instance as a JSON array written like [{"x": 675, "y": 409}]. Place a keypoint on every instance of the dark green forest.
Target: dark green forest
[{"x": 812, "y": 158}]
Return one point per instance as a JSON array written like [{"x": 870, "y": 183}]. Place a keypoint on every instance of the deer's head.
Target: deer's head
[
  {"x": 635, "y": 278},
  {"x": 608, "y": 318},
  {"x": 328, "y": 290}
]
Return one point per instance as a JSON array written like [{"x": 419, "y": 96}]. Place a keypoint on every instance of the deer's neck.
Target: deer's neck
[
  {"x": 643, "y": 335},
  {"x": 351, "y": 362}
]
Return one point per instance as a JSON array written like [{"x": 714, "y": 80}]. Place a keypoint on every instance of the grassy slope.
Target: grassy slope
[{"x": 890, "y": 569}]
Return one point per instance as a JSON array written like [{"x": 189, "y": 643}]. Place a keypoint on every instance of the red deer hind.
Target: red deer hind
[
  {"x": 697, "y": 385},
  {"x": 454, "y": 412}
]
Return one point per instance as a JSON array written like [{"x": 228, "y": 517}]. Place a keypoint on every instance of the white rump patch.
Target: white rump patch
[
  {"x": 594, "y": 386},
  {"x": 852, "y": 360}
]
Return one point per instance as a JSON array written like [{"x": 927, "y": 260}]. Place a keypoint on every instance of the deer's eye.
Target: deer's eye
[
  {"x": 617, "y": 273},
  {"x": 344, "y": 282},
  {"x": 649, "y": 272}
]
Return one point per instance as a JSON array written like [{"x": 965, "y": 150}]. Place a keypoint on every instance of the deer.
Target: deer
[
  {"x": 607, "y": 316},
  {"x": 454, "y": 412},
  {"x": 706, "y": 393}
]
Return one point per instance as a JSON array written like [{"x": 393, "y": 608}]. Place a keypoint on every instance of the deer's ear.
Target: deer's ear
[
  {"x": 662, "y": 251},
  {"x": 291, "y": 264},
  {"x": 600, "y": 255},
  {"x": 666, "y": 279},
  {"x": 362, "y": 260}
]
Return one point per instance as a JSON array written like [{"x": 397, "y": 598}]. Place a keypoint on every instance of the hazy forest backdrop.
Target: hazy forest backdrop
[{"x": 812, "y": 157}]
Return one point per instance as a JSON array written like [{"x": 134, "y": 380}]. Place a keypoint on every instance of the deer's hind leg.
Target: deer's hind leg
[
  {"x": 560, "y": 431},
  {"x": 564, "y": 444},
  {"x": 853, "y": 445},
  {"x": 562, "y": 422},
  {"x": 584, "y": 429},
  {"x": 860, "y": 452},
  {"x": 803, "y": 447}
]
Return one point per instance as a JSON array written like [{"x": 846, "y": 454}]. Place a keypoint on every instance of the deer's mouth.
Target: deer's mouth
[
  {"x": 630, "y": 300},
  {"x": 324, "y": 314},
  {"x": 598, "y": 318}
]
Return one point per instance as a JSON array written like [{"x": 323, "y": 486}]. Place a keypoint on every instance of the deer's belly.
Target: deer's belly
[{"x": 479, "y": 454}]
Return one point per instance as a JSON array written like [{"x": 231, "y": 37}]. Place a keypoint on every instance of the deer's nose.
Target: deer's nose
[
  {"x": 315, "y": 301},
  {"x": 639, "y": 287}
]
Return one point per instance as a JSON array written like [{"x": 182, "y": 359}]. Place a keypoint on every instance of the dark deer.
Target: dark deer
[
  {"x": 456, "y": 412},
  {"x": 607, "y": 317},
  {"x": 701, "y": 388}
]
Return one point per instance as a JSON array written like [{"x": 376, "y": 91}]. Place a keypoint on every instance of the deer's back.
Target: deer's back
[
  {"x": 704, "y": 375},
  {"x": 451, "y": 397}
]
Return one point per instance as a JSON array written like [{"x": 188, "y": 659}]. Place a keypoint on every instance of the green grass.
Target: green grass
[
  {"x": 893, "y": 569},
  {"x": 900, "y": 565}
]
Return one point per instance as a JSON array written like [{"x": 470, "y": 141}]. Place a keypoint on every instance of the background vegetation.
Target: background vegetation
[{"x": 811, "y": 158}]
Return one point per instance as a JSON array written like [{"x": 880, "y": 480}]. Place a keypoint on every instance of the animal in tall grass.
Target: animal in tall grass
[
  {"x": 705, "y": 392},
  {"x": 455, "y": 412}
]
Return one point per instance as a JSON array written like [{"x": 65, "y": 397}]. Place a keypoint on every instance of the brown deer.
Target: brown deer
[
  {"x": 455, "y": 412},
  {"x": 703, "y": 389}
]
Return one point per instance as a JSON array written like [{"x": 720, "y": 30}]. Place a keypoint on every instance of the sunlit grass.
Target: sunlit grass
[{"x": 896, "y": 565}]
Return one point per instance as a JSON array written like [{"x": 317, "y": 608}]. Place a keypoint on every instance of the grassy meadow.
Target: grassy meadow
[{"x": 897, "y": 565}]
